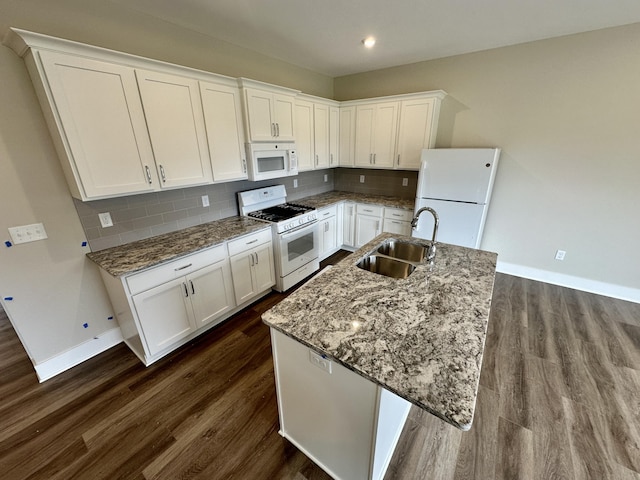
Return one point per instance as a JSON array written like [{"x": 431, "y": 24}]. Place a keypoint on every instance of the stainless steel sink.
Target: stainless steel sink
[
  {"x": 389, "y": 267},
  {"x": 410, "y": 252}
]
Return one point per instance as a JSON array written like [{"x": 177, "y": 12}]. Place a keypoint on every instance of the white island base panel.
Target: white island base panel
[{"x": 346, "y": 424}]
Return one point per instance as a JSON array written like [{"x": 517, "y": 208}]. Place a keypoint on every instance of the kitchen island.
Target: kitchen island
[{"x": 354, "y": 349}]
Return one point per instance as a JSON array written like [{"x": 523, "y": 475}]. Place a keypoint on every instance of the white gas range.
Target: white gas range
[{"x": 295, "y": 232}]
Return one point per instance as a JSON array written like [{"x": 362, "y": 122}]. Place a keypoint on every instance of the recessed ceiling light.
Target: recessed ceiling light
[{"x": 369, "y": 42}]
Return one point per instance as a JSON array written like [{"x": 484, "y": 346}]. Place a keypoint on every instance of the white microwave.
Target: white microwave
[{"x": 271, "y": 160}]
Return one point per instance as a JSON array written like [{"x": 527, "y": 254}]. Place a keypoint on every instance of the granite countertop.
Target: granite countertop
[
  {"x": 142, "y": 254},
  {"x": 329, "y": 198},
  {"x": 421, "y": 337}
]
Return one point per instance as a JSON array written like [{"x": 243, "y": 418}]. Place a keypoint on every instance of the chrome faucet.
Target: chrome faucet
[{"x": 436, "y": 221}]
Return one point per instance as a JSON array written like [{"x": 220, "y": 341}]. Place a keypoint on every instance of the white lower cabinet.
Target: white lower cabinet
[
  {"x": 368, "y": 223},
  {"x": 251, "y": 259},
  {"x": 173, "y": 310},
  {"x": 349, "y": 224},
  {"x": 165, "y": 314},
  {"x": 327, "y": 219},
  {"x": 163, "y": 307},
  {"x": 252, "y": 272},
  {"x": 398, "y": 221},
  {"x": 345, "y": 423}
]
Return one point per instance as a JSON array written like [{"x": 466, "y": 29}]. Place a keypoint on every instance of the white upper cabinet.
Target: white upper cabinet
[
  {"x": 316, "y": 133},
  {"x": 94, "y": 112},
  {"x": 304, "y": 135},
  {"x": 334, "y": 136},
  {"x": 270, "y": 116},
  {"x": 390, "y": 132},
  {"x": 225, "y": 134},
  {"x": 417, "y": 130},
  {"x": 347, "y": 136},
  {"x": 175, "y": 122},
  {"x": 376, "y": 128},
  {"x": 321, "y": 135}
]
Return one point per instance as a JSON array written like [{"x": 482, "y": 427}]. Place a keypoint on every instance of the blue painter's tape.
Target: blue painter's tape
[
  {"x": 85, "y": 325},
  {"x": 84, "y": 244},
  {"x": 8, "y": 243},
  {"x": 8, "y": 299}
]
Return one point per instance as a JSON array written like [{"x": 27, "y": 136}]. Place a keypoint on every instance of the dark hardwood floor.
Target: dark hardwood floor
[{"x": 559, "y": 398}]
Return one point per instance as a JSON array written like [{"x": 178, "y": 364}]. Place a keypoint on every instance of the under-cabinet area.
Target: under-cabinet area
[{"x": 162, "y": 306}]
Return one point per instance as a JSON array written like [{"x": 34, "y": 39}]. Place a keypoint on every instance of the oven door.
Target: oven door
[{"x": 298, "y": 247}]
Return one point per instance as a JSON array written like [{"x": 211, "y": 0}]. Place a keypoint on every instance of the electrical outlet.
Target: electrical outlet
[
  {"x": 27, "y": 233},
  {"x": 205, "y": 200},
  {"x": 295, "y": 183},
  {"x": 361, "y": 178},
  {"x": 326, "y": 177},
  {"x": 560, "y": 254},
  {"x": 105, "y": 219},
  {"x": 320, "y": 361},
  {"x": 405, "y": 182}
]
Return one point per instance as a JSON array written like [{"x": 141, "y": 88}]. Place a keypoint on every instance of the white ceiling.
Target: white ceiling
[{"x": 325, "y": 35}]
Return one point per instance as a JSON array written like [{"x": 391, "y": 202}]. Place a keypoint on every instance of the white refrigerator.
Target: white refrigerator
[{"x": 457, "y": 184}]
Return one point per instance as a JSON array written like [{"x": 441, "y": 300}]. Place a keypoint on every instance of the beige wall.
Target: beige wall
[
  {"x": 566, "y": 113},
  {"x": 54, "y": 289}
]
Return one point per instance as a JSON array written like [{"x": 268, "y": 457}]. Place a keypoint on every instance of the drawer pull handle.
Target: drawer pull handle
[
  {"x": 186, "y": 292},
  {"x": 193, "y": 289},
  {"x": 252, "y": 241},
  {"x": 183, "y": 267}
]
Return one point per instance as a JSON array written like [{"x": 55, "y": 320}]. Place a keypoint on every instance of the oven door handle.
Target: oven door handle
[{"x": 298, "y": 229}]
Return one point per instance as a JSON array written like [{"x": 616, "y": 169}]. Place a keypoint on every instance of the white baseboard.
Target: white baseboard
[
  {"x": 577, "y": 283},
  {"x": 78, "y": 354}
]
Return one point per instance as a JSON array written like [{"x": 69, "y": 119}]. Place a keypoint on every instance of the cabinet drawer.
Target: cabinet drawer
[
  {"x": 367, "y": 209},
  {"x": 398, "y": 214},
  {"x": 327, "y": 212},
  {"x": 249, "y": 241},
  {"x": 154, "y": 276}
]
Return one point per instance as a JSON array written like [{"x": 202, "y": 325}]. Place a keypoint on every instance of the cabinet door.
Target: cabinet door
[
  {"x": 347, "y": 136},
  {"x": 365, "y": 116},
  {"x": 165, "y": 314},
  {"x": 284, "y": 114},
  {"x": 173, "y": 111},
  {"x": 211, "y": 292},
  {"x": 241, "y": 273},
  {"x": 348, "y": 229},
  {"x": 261, "y": 123},
  {"x": 384, "y": 132},
  {"x": 367, "y": 228},
  {"x": 98, "y": 111},
  {"x": 334, "y": 136},
  {"x": 304, "y": 131},
  {"x": 328, "y": 237},
  {"x": 321, "y": 135},
  {"x": 414, "y": 131},
  {"x": 225, "y": 133},
  {"x": 263, "y": 272},
  {"x": 397, "y": 226}
]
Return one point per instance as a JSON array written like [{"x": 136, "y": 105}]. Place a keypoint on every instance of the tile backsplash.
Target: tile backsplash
[
  {"x": 377, "y": 182},
  {"x": 142, "y": 216}
]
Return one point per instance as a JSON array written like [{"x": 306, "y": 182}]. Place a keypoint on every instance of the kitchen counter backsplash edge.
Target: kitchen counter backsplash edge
[
  {"x": 150, "y": 252},
  {"x": 141, "y": 254}
]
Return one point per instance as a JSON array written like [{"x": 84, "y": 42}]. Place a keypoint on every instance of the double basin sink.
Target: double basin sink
[{"x": 394, "y": 258}]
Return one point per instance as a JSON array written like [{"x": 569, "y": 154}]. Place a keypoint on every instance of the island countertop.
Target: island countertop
[{"x": 421, "y": 337}]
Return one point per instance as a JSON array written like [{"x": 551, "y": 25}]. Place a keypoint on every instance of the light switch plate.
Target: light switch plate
[
  {"x": 205, "y": 200},
  {"x": 295, "y": 183},
  {"x": 27, "y": 233}
]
